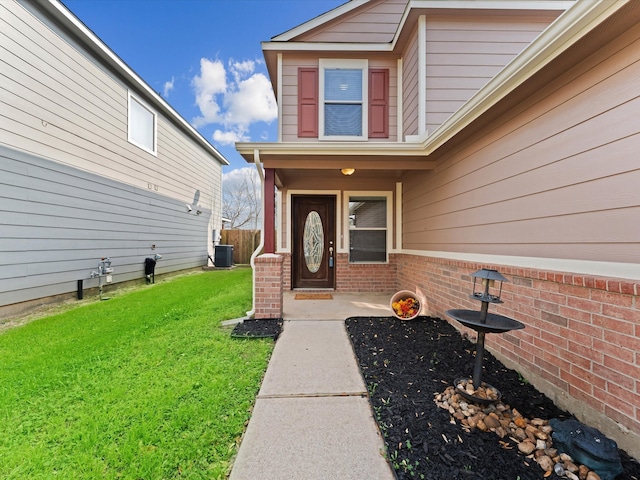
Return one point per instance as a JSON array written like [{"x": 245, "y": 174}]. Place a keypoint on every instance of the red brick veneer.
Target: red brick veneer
[
  {"x": 582, "y": 335},
  {"x": 268, "y": 286}
]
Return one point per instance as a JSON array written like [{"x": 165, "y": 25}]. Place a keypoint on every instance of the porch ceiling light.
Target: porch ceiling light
[{"x": 348, "y": 171}]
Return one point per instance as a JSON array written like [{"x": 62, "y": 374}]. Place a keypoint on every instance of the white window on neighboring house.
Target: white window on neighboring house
[
  {"x": 369, "y": 227},
  {"x": 343, "y": 92},
  {"x": 142, "y": 125}
]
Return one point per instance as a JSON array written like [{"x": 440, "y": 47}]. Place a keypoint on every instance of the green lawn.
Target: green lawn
[{"x": 146, "y": 385}]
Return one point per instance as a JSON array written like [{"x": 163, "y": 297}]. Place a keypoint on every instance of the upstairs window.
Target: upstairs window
[
  {"x": 343, "y": 99},
  {"x": 142, "y": 125}
]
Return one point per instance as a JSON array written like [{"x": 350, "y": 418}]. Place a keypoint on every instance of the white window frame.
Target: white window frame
[
  {"x": 361, "y": 64},
  {"x": 130, "y": 123},
  {"x": 389, "y": 214}
]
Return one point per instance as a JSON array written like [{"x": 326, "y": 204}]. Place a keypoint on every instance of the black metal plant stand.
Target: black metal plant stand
[{"x": 484, "y": 322}]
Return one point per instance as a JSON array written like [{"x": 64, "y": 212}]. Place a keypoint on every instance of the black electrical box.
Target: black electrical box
[{"x": 223, "y": 256}]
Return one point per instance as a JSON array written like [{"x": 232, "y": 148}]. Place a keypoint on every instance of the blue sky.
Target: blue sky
[{"x": 203, "y": 56}]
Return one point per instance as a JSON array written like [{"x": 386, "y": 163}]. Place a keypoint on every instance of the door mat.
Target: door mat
[
  {"x": 313, "y": 296},
  {"x": 258, "y": 328}
]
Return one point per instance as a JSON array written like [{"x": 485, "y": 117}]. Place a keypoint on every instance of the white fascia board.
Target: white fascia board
[
  {"x": 319, "y": 20},
  {"x": 103, "y": 51},
  {"x": 326, "y": 47},
  {"x": 576, "y": 22},
  {"x": 559, "y": 5},
  {"x": 334, "y": 148}
]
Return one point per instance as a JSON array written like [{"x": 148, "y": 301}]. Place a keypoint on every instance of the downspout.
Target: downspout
[{"x": 256, "y": 252}]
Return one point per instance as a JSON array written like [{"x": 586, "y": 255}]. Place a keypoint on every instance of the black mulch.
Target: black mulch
[
  {"x": 258, "y": 328},
  {"x": 404, "y": 363}
]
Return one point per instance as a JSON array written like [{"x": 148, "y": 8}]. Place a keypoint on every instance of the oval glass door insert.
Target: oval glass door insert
[{"x": 313, "y": 241}]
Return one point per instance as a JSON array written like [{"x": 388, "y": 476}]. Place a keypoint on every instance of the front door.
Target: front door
[{"x": 313, "y": 263}]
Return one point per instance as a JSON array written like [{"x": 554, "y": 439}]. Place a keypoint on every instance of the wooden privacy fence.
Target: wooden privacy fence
[{"x": 244, "y": 243}]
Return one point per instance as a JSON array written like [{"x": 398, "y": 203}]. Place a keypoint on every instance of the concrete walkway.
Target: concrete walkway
[{"x": 312, "y": 419}]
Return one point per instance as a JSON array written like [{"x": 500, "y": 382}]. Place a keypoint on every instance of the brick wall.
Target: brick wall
[
  {"x": 354, "y": 277},
  {"x": 581, "y": 343},
  {"x": 268, "y": 286},
  {"x": 365, "y": 277}
]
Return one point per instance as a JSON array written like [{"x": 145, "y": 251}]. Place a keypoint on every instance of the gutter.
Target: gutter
[{"x": 256, "y": 252}]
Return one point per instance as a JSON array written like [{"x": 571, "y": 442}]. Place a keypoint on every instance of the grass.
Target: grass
[{"x": 144, "y": 386}]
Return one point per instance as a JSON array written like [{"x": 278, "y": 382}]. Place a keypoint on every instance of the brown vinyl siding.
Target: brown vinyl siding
[
  {"x": 376, "y": 23},
  {"x": 464, "y": 53},
  {"x": 556, "y": 178},
  {"x": 289, "y": 120},
  {"x": 410, "y": 83}
]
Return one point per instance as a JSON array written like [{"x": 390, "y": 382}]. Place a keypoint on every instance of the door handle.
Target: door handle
[{"x": 330, "y": 257}]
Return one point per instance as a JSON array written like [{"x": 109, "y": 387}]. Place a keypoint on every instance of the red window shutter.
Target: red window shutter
[
  {"x": 307, "y": 102},
  {"x": 378, "y": 103}
]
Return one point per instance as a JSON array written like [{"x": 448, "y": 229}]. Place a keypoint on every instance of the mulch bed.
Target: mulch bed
[
  {"x": 258, "y": 328},
  {"x": 404, "y": 363}
]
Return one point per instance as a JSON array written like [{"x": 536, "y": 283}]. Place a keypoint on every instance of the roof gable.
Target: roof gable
[{"x": 371, "y": 21}]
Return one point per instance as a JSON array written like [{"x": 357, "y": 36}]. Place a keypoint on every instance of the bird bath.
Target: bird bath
[{"x": 483, "y": 322}]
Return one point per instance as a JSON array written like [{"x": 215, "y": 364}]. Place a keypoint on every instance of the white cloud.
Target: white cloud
[
  {"x": 252, "y": 101},
  {"x": 168, "y": 86},
  {"x": 241, "y": 69},
  {"x": 208, "y": 85},
  {"x": 235, "y": 178},
  {"x": 229, "y": 137},
  {"x": 236, "y": 104}
]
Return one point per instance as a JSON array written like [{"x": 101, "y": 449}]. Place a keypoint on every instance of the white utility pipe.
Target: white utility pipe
[{"x": 256, "y": 252}]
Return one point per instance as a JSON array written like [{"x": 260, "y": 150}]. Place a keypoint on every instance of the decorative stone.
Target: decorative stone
[
  {"x": 545, "y": 463},
  {"x": 593, "y": 476},
  {"x": 526, "y": 447},
  {"x": 541, "y": 445},
  {"x": 570, "y": 467},
  {"x": 558, "y": 469},
  {"x": 492, "y": 421},
  {"x": 583, "y": 470},
  {"x": 520, "y": 422},
  {"x": 566, "y": 458}
]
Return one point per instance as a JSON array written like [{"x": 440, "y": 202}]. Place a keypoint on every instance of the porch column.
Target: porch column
[{"x": 269, "y": 210}]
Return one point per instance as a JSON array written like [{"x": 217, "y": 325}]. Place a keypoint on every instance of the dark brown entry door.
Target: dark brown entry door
[{"x": 313, "y": 262}]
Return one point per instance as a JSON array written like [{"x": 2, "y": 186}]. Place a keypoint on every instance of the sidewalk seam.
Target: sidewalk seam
[{"x": 312, "y": 395}]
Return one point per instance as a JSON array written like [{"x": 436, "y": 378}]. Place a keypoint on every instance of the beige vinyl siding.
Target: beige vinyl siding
[
  {"x": 410, "y": 85},
  {"x": 57, "y": 103},
  {"x": 289, "y": 120},
  {"x": 559, "y": 179},
  {"x": 464, "y": 53},
  {"x": 373, "y": 23}
]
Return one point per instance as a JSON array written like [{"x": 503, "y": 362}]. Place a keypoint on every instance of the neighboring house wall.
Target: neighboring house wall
[
  {"x": 555, "y": 179},
  {"x": 58, "y": 103},
  {"x": 464, "y": 53},
  {"x": 59, "y": 221},
  {"x": 64, "y": 118}
]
